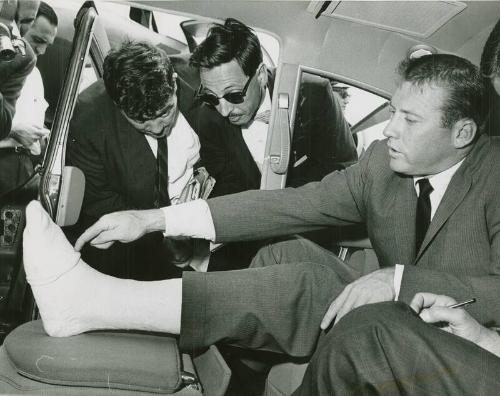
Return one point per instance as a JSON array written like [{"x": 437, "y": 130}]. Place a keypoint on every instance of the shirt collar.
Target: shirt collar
[
  {"x": 266, "y": 103},
  {"x": 439, "y": 181}
]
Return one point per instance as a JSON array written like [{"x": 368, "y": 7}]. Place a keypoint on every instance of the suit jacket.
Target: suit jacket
[
  {"x": 460, "y": 255},
  {"x": 120, "y": 171},
  {"x": 321, "y": 134},
  {"x": 12, "y": 77},
  {"x": 116, "y": 159}
]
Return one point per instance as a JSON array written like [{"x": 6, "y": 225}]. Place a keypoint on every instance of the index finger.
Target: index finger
[
  {"x": 424, "y": 300},
  {"x": 90, "y": 233}
]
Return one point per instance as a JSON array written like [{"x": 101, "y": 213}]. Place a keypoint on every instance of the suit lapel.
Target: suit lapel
[
  {"x": 403, "y": 204},
  {"x": 138, "y": 158},
  {"x": 237, "y": 144},
  {"x": 453, "y": 196},
  {"x": 240, "y": 148}
]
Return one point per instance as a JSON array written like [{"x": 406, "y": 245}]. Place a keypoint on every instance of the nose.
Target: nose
[
  {"x": 157, "y": 127},
  {"x": 392, "y": 128},
  {"x": 40, "y": 49},
  {"x": 224, "y": 107}
]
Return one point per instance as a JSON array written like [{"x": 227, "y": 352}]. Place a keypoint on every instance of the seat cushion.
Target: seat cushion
[
  {"x": 104, "y": 359},
  {"x": 284, "y": 379}
]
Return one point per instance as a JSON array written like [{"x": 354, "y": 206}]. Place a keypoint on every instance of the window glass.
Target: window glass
[
  {"x": 120, "y": 10},
  {"x": 89, "y": 74},
  {"x": 170, "y": 26},
  {"x": 366, "y": 113},
  {"x": 322, "y": 139}
]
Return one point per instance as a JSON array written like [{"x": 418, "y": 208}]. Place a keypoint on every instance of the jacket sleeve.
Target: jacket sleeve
[
  {"x": 215, "y": 156},
  {"x": 12, "y": 77},
  {"x": 336, "y": 200}
]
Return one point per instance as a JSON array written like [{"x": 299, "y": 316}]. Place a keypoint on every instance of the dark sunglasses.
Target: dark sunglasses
[{"x": 232, "y": 97}]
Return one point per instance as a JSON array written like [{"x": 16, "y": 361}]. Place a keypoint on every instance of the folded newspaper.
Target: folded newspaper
[
  {"x": 200, "y": 185},
  {"x": 183, "y": 252}
]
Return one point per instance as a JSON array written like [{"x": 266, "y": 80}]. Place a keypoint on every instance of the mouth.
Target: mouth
[
  {"x": 392, "y": 151},
  {"x": 234, "y": 117}
]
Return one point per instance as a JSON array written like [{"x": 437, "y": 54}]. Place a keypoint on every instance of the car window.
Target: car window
[
  {"x": 366, "y": 113},
  {"x": 89, "y": 74},
  {"x": 170, "y": 26},
  {"x": 322, "y": 139}
]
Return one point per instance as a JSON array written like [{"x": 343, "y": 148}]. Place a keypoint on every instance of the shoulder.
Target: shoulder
[
  {"x": 92, "y": 109},
  {"x": 96, "y": 92}
]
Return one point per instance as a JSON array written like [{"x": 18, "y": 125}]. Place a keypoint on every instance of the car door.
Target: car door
[{"x": 61, "y": 188}]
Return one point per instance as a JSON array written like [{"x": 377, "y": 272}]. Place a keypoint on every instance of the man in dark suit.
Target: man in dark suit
[
  {"x": 115, "y": 137},
  {"x": 235, "y": 94},
  {"x": 236, "y": 90},
  {"x": 444, "y": 240}
]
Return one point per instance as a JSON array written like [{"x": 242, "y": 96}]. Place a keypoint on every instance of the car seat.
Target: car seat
[{"x": 106, "y": 362}]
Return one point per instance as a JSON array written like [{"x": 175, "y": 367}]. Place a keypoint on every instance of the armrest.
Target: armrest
[{"x": 363, "y": 243}]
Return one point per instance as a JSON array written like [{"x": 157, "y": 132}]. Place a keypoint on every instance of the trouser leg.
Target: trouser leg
[
  {"x": 385, "y": 349},
  {"x": 277, "y": 308},
  {"x": 298, "y": 249}
]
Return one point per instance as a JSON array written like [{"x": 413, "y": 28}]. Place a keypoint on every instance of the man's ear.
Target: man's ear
[
  {"x": 463, "y": 132},
  {"x": 495, "y": 81},
  {"x": 262, "y": 74}
]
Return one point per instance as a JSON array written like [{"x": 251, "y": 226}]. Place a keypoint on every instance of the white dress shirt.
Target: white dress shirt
[
  {"x": 255, "y": 133},
  {"x": 439, "y": 183},
  {"x": 31, "y": 106},
  {"x": 183, "y": 154}
]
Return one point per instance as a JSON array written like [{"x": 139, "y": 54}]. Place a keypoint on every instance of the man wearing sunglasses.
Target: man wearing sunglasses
[
  {"x": 235, "y": 92},
  {"x": 132, "y": 136}
]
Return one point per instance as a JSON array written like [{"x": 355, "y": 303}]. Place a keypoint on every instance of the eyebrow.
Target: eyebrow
[
  {"x": 407, "y": 112},
  {"x": 26, "y": 20}
]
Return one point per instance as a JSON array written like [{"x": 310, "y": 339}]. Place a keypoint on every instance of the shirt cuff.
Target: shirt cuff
[
  {"x": 398, "y": 277},
  {"x": 191, "y": 219}
]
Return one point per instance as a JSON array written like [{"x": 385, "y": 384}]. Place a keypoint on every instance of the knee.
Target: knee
[
  {"x": 384, "y": 314},
  {"x": 276, "y": 252}
]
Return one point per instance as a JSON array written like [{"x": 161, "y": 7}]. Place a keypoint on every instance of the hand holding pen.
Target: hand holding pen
[
  {"x": 438, "y": 309},
  {"x": 433, "y": 308}
]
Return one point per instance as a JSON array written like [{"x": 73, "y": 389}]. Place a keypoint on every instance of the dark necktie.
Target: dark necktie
[
  {"x": 161, "y": 189},
  {"x": 423, "y": 211}
]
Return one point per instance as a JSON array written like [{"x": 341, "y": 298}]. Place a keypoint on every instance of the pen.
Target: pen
[{"x": 461, "y": 304}]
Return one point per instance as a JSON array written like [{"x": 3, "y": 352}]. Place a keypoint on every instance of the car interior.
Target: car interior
[{"x": 354, "y": 46}]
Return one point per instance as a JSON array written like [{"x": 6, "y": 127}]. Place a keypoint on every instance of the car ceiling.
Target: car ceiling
[{"x": 352, "y": 50}]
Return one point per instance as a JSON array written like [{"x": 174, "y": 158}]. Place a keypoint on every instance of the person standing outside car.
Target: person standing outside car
[
  {"x": 28, "y": 131},
  {"x": 13, "y": 69}
]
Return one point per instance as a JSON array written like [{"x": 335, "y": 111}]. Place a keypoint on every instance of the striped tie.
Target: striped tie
[{"x": 162, "y": 199}]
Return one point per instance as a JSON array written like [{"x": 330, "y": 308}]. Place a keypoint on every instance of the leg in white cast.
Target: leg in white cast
[{"x": 74, "y": 298}]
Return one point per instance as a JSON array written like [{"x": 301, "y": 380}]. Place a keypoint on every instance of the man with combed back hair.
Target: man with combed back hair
[{"x": 235, "y": 94}]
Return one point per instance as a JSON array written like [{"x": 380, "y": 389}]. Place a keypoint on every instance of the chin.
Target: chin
[
  {"x": 240, "y": 121},
  {"x": 399, "y": 166}
]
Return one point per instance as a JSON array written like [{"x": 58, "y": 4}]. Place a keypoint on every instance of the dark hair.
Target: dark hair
[
  {"x": 459, "y": 77},
  {"x": 490, "y": 59},
  {"x": 139, "y": 78},
  {"x": 48, "y": 12},
  {"x": 233, "y": 40}
]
